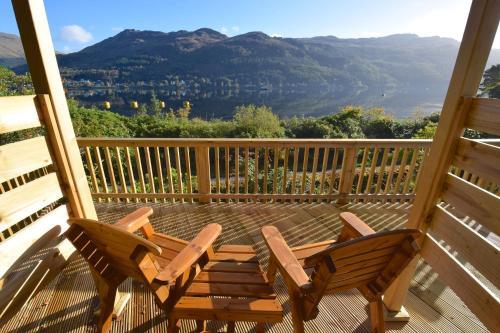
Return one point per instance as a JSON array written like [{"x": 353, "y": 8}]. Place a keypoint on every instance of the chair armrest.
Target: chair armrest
[
  {"x": 190, "y": 254},
  {"x": 353, "y": 227},
  {"x": 282, "y": 256},
  {"x": 138, "y": 219}
]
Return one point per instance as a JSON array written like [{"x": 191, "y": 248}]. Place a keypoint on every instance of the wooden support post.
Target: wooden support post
[
  {"x": 474, "y": 50},
  {"x": 347, "y": 174},
  {"x": 203, "y": 173},
  {"x": 40, "y": 56}
]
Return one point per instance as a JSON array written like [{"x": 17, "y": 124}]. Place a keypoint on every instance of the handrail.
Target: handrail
[
  {"x": 152, "y": 169},
  {"x": 195, "y": 142}
]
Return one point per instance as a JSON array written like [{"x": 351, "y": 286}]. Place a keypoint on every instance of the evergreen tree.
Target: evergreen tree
[{"x": 491, "y": 82}]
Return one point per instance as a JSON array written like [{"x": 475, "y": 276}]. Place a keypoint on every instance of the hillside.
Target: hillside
[
  {"x": 252, "y": 58},
  {"x": 11, "y": 50},
  {"x": 311, "y": 76}
]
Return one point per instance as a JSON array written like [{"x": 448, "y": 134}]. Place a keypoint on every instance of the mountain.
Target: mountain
[
  {"x": 256, "y": 58},
  {"x": 398, "y": 72},
  {"x": 11, "y": 50}
]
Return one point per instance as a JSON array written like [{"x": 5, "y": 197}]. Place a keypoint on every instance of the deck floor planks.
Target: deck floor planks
[{"x": 66, "y": 305}]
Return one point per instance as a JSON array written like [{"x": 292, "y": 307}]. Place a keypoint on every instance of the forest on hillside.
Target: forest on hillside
[{"x": 249, "y": 121}]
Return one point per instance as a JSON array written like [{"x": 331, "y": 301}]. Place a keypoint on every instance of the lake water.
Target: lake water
[{"x": 286, "y": 103}]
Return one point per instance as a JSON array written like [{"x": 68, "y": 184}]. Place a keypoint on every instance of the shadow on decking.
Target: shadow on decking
[{"x": 67, "y": 304}]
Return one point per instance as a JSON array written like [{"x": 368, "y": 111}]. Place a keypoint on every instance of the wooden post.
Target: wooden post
[
  {"x": 476, "y": 44},
  {"x": 347, "y": 174},
  {"x": 203, "y": 172},
  {"x": 40, "y": 56}
]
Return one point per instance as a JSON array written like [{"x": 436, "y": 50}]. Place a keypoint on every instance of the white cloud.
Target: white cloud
[
  {"x": 75, "y": 33},
  {"x": 224, "y": 30},
  {"x": 276, "y": 35},
  {"x": 66, "y": 49},
  {"x": 235, "y": 28}
]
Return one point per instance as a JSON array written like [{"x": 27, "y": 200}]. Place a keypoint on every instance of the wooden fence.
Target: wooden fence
[{"x": 252, "y": 169}]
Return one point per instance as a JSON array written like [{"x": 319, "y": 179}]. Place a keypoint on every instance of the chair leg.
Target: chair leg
[
  {"x": 377, "y": 323},
  {"x": 231, "y": 326},
  {"x": 174, "y": 325},
  {"x": 297, "y": 315},
  {"x": 260, "y": 328},
  {"x": 200, "y": 326},
  {"x": 107, "y": 294}
]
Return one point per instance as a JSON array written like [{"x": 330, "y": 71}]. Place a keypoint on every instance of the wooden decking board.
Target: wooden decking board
[
  {"x": 67, "y": 304},
  {"x": 445, "y": 302}
]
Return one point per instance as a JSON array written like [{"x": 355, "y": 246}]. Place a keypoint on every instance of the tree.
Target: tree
[
  {"x": 256, "y": 122},
  {"x": 490, "y": 86},
  {"x": 12, "y": 84},
  {"x": 376, "y": 124},
  {"x": 347, "y": 121},
  {"x": 156, "y": 108},
  {"x": 427, "y": 132},
  {"x": 309, "y": 128}
]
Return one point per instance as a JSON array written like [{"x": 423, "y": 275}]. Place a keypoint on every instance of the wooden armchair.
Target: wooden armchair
[
  {"x": 360, "y": 258},
  {"x": 166, "y": 264}
]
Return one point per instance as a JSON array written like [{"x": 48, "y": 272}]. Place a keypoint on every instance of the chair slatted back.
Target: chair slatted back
[
  {"x": 371, "y": 263},
  {"x": 108, "y": 248}
]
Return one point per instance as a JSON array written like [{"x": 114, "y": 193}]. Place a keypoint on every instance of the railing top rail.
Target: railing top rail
[{"x": 193, "y": 142}]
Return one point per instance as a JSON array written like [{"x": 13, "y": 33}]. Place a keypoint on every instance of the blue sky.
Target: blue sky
[{"x": 76, "y": 24}]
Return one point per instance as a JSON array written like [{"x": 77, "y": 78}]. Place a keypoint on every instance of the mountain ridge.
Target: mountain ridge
[{"x": 369, "y": 71}]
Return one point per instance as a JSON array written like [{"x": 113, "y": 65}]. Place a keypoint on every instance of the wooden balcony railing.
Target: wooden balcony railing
[{"x": 252, "y": 169}]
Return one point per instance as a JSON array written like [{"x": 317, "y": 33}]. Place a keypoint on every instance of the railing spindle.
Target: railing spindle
[
  {"x": 347, "y": 173},
  {"x": 256, "y": 172},
  {"x": 333, "y": 175},
  {"x": 362, "y": 170},
  {"x": 324, "y": 166},
  {"x": 111, "y": 172},
  {"x": 90, "y": 166},
  {"x": 139, "y": 171},
  {"x": 402, "y": 169},
  {"x": 285, "y": 171},
  {"x": 168, "y": 167},
  {"x": 411, "y": 170},
  {"x": 372, "y": 170},
  {"x": 217, "y": 171},
  {"x": 228, "y": 175},
  {"x": 276, "y": 158},
  {"x": 305, "y": 162},
  {"x": 390, "y": 175},
  {"x": 295, "y": 166},
  {"x": 266, "y": 170},
  {"x": 202, "y": 154},
  {"x": 180, "y": 187},
  {"x": 102, "y": 176},
  {"x": 313, "y": 175},
  {"x": 149, "y": 167},
  {"x": 121, "y": 174},
  {"x": 247, "y": 152},
  {"x": 159, "y": 171},
  {"x": 187, "y": 161},
  {"x": 237, "y": 170},
  {"x": 130, "y": 172},
  {"x": 381, "y": 172}
]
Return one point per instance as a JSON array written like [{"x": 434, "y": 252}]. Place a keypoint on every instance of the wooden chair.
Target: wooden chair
[
  {"x": 166, "y": 264},
  {"x": 360, "y": 258}
]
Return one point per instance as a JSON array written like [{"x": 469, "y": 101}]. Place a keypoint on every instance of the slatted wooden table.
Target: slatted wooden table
[{"x": 231, "y": 287}]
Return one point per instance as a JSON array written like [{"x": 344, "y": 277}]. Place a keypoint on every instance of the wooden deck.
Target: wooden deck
[{"x": 66, "y": 305}]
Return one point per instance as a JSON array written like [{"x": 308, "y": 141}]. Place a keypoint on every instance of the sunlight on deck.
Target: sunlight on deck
[{"x": 67, "y": 304}]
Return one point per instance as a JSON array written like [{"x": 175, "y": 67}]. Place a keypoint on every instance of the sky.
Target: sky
[{"x": 77, "y": 24}]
